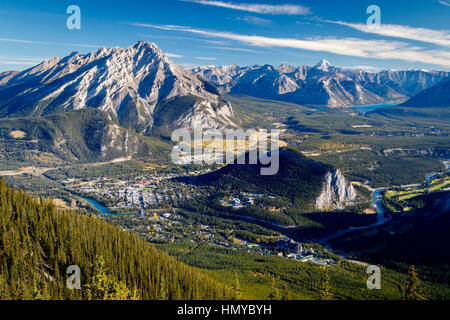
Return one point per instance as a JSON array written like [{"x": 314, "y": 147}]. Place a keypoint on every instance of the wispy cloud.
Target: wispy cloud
[
  {"x": 49, "y": 43},
  {"x": 255, "y": 20},
  {"x": 439, "y": 37},
  {"x": 24, "y": 41},
  {"x": 364, "y": 68},
  {"x": 205, "y": 58},
  {"x": 189, "y": 66},
  {"x": 176, "y": 38},
  {"x": 284, "y": 9},
  {"x": 234, "y": 49},
  {"x": 25, "y": 61},
  {"x": 444, "y": 3},
  {"x": 174, "y": 55},
  {"x": 379, "y": 49},
  {"x": 18, "y": 63}
]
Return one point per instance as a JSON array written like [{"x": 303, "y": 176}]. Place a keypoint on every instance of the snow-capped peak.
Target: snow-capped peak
[{"x": 323, "y": 65}]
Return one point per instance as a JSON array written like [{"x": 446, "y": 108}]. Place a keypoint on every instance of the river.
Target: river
[
  {"x": 97, "y": 205},
  {"x": 377, "y": 202}
]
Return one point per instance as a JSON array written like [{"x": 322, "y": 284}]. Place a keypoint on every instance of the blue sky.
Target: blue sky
[{"x": 413, "y": 34}]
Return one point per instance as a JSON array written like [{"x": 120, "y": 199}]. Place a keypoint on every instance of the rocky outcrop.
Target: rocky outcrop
[{"x": 337, "y": 192}]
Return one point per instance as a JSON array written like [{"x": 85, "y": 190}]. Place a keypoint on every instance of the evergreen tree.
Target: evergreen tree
[
  {"x": 325, "y": 289},
  {"x": 411, "y": 289},
  {"x": 273, "y": 293},
  {"x": 38, "y": 242},
  {"x": 237, "y": 291},
  {"x": 103, "y": 287},
  {"x": 285, "y": 293}
]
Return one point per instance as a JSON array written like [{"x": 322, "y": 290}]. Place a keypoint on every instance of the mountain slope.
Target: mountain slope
[
  {"x": 128, "y": 84},
  {"x": 436, "y": 96},
  {"x": 322, "y": 84},
  {"x": 7, "y": 75},
  {"x": 38, "y": 243},
  {"x": 83, "y": 135},
  {"x": 305, "y": 183}
]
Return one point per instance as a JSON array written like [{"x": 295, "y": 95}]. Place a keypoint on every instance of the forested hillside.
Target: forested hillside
[{"x": 38, "y": 242}]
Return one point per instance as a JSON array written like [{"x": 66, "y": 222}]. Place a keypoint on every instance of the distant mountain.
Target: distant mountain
[
  {"x": 322, "y": 84},
  {"x": 137, "y": 87},
  {"x": 436, "y": 96}
]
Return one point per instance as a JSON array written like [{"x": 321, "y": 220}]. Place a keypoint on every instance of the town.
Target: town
[{"x": 152, "y": 207}]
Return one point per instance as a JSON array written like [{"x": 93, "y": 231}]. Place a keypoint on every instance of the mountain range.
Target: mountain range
[
  {"x": 102, "y": 105},
  {"x": 138, "y": 87},
  {"x": 322, "y": 84}
]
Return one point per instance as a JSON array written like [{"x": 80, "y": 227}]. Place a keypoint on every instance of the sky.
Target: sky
[{"x": 412, "y": 34}]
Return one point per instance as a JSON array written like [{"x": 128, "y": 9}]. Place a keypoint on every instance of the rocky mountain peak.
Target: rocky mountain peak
[
  {"x": 132, "y": 85},
  {"x": 323, "y": 65}
]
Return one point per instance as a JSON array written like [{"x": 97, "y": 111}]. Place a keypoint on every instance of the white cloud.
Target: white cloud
[
  {"x": 444, "y": 3},
  {"x": 24, "y": 41},
  {"x": 49, "y": 43},
  {"x": 234, "y": 49},
  {"x": 287, "y": 9},
  {"x": 189, "y": 66},
  {"x": 439, "y": 37},
  {"x": 255, "y": 20},
  {"x": 19, "y": 63},
  {"x": 26, "y": 61},
  {"x": 205, "y": 58},
  {"x": 174, "y": 55},
  {"x": 379, "y": 49},
  {"x": 364, "y": 68}
]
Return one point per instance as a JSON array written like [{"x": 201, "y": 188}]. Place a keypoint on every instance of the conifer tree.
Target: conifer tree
[
  {"x": 39, "y": 241},
  {"x": 285, "y": 293},
  {"x": 325, "y": 289},
  {"x": 273, "y": 293},
  {"x": 411, "y": 289},
  {"x": 237, "y": 291}
]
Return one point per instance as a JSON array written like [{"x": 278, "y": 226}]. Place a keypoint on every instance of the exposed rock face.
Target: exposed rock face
[
  {"x": 337, "y": 193},
  {"x": 322, "y": 84},
  {"x": 129, "y": 84}
]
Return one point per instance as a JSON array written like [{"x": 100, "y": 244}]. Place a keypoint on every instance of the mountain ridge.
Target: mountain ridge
[
  {"x": 126, "y": 83},
  {"x": 436, "y": 96},
  {"x": 322, "y": 84}
]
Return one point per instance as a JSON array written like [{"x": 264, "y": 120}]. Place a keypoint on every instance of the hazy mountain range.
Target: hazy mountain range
[{"x": 322, "y": 84}]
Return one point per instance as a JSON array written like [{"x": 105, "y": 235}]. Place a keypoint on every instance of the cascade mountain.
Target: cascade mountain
[{"x": 138, "y": 87}]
